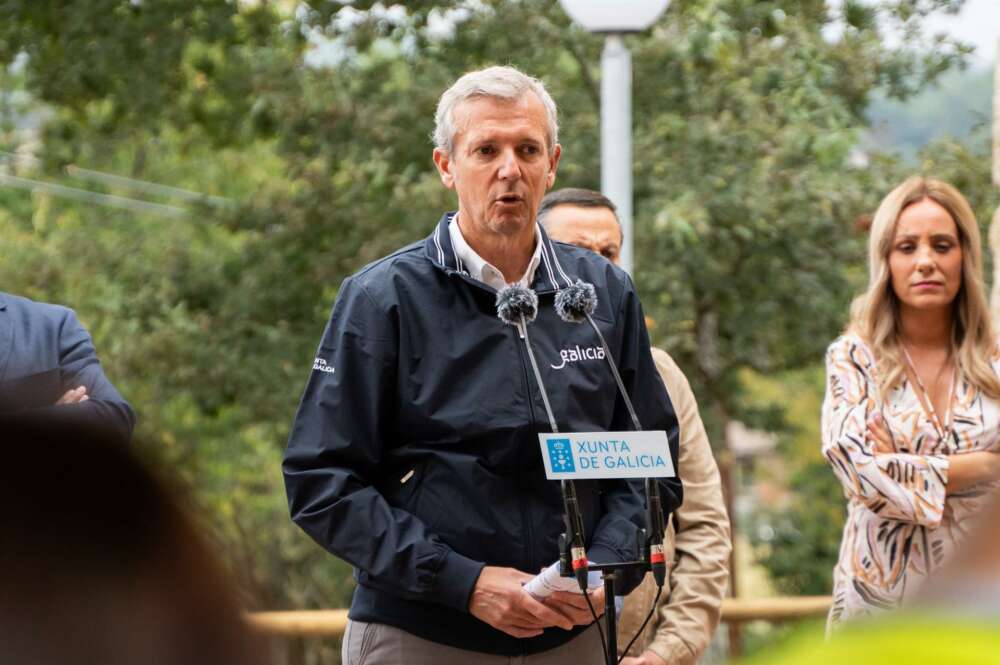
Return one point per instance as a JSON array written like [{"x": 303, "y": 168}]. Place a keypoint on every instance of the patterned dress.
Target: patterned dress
[{"x": 900, "y": 525}]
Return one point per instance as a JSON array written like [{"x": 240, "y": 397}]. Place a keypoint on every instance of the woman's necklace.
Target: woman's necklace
[{"x": 940, "y": 427}]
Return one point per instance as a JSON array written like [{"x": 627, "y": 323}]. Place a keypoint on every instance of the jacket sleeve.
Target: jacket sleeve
[
  {"x": 690, "y": 612},
  {"x": 336, "y": 449},
  {"x": 616, "y": 534},
  {"x": 105, "y": 409},
  {"x": 898, "y": 486}
]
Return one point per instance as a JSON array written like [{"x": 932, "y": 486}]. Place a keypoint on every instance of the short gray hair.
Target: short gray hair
[
  {"x": 576, "y": 196},
  {"x": 505, "y": 83}
]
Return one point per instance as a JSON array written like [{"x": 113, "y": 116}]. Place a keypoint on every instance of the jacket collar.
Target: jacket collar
[{"x": 549, "y": 277}]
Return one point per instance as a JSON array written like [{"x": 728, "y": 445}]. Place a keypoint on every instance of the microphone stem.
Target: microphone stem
[
  {"x": 574, "y": 529},
  {"x": 657, "y": 527},
  {"x": 618, "y": 378},
  {"x": 574, "y": 521},
  {"x": 538, "y": 376}
]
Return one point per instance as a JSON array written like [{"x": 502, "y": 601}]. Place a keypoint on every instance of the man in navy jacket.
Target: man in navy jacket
[
  {"x": 48, "y": 365},
  {"x": 414, "y": 454}
]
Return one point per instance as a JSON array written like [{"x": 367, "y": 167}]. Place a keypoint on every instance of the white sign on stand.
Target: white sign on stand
[{"x": 592, "y": 455}]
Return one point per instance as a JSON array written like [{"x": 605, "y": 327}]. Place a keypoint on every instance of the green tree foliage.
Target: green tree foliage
[
  {"x": 797, "y": 539},
  {"x": 746, "y": 191},
  {"x": 751, "y": 212},
  {"x": 803, "y": 537}
]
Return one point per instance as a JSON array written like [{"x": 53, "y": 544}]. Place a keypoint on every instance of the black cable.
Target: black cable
[
  {"x": 649, "y": 616},
  {"x": 600, "y": 631}
]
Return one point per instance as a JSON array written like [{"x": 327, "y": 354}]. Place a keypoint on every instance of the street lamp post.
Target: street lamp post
[
  {"x": 616, "y": 136},
  {"x": 614, "y": 19}
]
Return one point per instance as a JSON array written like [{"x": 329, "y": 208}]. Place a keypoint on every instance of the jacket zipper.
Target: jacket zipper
[{"x": 532, "y": 564}]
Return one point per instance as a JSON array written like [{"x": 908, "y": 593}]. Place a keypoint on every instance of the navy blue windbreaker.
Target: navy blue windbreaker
[{"x": 414, "y": 455}]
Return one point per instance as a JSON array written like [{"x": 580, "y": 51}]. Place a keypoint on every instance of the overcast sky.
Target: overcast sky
[{"x": 978, "y": 23}]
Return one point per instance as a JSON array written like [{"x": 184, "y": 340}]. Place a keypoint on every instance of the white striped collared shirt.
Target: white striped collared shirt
[{"x": 483, "y": 271}]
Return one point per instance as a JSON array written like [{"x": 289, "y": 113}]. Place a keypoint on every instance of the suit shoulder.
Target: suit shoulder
[
  {"x": 664, "y": 360},
  {"x": 591, "y": 267},
  {"x": 671, "y": 373},
  {"x": 28, "y": 308}
]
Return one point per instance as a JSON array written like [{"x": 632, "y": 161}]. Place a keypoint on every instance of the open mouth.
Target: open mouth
[{"x": 509, "y": 199}]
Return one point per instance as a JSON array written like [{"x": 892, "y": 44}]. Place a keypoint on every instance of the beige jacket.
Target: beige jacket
[{"x": 698, "y": 543}]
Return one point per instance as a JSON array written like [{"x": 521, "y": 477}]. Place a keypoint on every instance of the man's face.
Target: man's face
[
  {"x": 500, "y": 164},
  {"x": 595, "y": 229}
]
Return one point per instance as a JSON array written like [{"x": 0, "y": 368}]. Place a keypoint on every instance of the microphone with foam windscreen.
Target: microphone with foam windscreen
[
  {"x": 577, "y": 303},
  {"x": 517, "y": 306}
]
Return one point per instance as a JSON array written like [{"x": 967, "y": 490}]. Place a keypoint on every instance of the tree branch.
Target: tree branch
[{"x": 592, "y": 87}]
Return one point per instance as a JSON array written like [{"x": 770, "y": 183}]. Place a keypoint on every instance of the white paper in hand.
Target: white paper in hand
[{"x": 549, "y": 581}]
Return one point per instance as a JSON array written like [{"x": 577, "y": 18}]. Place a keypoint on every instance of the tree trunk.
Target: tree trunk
[{"x": 709, "y": 366}]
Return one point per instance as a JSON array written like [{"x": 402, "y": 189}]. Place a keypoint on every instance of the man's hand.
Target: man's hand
[
  {"x": 500, "y": 600},
  {"x": 573, "y": 605},
  {"x": 647, "y": 658},
  {"x": 74, "y": 396}
]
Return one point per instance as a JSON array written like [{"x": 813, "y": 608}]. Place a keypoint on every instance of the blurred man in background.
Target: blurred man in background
[
  {"x": 689, "y": 607},
  {"x": 47, "y": 361}
]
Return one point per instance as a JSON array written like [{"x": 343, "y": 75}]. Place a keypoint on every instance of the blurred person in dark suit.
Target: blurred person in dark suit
[
  {"x": 99, "y": 562},
  {"x": 48, "y": 361}
]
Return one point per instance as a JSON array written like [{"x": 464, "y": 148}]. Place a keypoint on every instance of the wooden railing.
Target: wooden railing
[
  {"x": 331, "y": 623},
  {"x": 301, "y": 623},
  {"x": 786, "y": 608}
]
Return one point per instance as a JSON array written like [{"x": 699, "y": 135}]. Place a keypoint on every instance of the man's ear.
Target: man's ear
[
  {"x": 443, "y": 163},
  {"x": 550, "y": 179}
]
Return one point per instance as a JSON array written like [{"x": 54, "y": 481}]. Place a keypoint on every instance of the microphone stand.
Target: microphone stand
[
  {"x": 651, "y": 537},
  {"x": 573, "y": 557},
  {"x": 655, "y": 530},
  {"x": 610, "y": 573},
  {"x": 651, "y": 544}
]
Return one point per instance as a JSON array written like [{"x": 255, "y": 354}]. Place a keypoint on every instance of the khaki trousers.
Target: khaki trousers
[{"x": 379, "y": 644}]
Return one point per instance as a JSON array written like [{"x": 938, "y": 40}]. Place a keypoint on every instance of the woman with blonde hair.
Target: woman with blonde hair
[{"x": 911, "y": 418}]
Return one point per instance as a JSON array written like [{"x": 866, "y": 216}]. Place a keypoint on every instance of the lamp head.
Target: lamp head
[{"x": 615, "y": 15}]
